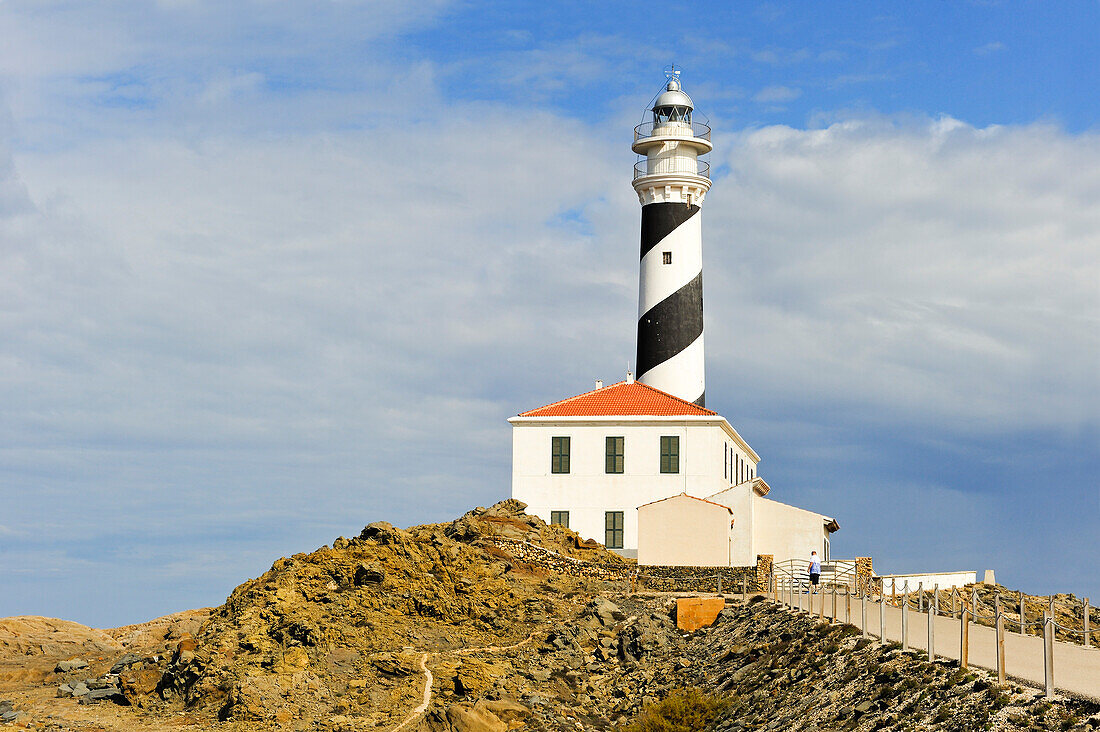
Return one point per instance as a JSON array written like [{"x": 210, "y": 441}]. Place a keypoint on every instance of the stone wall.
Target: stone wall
[
  {"x": 696, "y": 579},
  {"x": 864, "y": 574},
  {"x": 653, "y": 578},
  {"x": 765, "y": 564}
]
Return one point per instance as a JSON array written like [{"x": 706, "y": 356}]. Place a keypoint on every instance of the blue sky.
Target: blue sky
[{"x": 271, "y": 271}]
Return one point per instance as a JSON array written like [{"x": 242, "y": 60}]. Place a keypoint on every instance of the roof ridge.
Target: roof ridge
[
  {"x": 622, "y": 394},
  {"x": 673, "y": 396},
  {"x": 569, "y": 399}
]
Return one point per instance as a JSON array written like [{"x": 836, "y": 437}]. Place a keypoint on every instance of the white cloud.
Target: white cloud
[
  {"x": 928, "y": 268},
  {"x": 988, "y": 48},
  {"x": 774, "y": 94}
]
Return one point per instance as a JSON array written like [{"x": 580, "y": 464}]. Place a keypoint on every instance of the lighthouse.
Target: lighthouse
[{"x": 671, "y": 182}]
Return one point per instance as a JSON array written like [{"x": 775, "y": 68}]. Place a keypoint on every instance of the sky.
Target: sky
[{"x": 272, "y": 270}]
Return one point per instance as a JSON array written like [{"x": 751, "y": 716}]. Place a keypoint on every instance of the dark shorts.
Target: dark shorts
[{"x": 814, "y": 577}]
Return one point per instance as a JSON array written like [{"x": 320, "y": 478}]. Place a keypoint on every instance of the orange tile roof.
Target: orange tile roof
[{"x": 623, "y": 399}]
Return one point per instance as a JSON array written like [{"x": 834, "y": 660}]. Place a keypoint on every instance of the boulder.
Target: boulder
[
  {"x": 369, "y": 574},
  {"x": 74, "y": 664},
  {"x": 607, "y": 612},
  {"x": 294, "y": 660},
  {"x": 108, "y": 692},
  {"x": 128, "y": 660},
  {"x": 465, "y": 717},
  {"x": 381, "y": 531},
  {"x": 138, "y": 683}
]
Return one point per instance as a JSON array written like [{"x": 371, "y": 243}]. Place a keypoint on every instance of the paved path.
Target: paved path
[{"x": 1076, "y": 668}]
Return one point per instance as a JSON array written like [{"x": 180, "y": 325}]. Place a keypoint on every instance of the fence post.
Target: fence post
[
  {"x": 863, "y": 613},
  {"x": 719, "y": 583},
  {"x": 744, "y": 588},
  {"x": 936, "y": 601},
  {"x": 1000, "y": 626},
  {"x": 834, "y": 602},
  {"x": 920, "y": 596},
  {"x": 1086, "y": 626},
  {"x": 931, "y": 635},
  {"x": 974, "y": 603},
  {"x": 1023, "y": 613},
  {"x": 1048, "y": 653},
  {"x": 964, "y": 638},
  {"x": 954, "y": 608},
  {"x": 882, "y": 619},
  {"x": 905, "y": 616}
]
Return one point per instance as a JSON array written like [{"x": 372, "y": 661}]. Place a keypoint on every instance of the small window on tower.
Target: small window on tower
[{"x": 666, "y": 257}]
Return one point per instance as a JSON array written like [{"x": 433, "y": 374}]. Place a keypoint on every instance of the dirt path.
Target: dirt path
[{"x": 428, "y": 678}]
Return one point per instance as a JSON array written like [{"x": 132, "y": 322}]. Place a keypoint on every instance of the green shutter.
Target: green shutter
[
  {"x": 613, "y": 454},
  {"x": 559, "y": 454},
  {"x": 670, "y": 454}
]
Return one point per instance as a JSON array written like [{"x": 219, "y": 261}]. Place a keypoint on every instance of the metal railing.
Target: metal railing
[
  {"x": 672, "y": 129},
  {"x": 841, "y": 572},
  {"x": 789, "y": 589},
  {"x": 672, "y": 166}
]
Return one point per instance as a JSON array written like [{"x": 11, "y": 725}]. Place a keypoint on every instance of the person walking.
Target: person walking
[{"x": 814, "y": 570}]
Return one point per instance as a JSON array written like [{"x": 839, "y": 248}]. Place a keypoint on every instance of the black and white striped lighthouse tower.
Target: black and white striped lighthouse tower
[{"x": 671, "y": 183}]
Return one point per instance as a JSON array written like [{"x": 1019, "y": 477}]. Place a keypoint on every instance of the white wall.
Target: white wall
[
  {"x": 683, "y": 531},
  {"x": 785, "y": 532},
  {"x": 740, "y": 500},
  {"x": 587, "y": 491},
  {"x": 946, "y": 580}
]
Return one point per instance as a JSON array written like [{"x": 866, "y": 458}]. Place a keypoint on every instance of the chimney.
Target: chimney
[
  {"x": 630, "y": 377},
  {"x": 599, "y": 383}
]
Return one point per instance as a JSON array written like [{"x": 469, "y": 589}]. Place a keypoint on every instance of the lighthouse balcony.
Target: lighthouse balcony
[
  {"x": 672, "y": 166},
  {"x": 675, "y": 129}
]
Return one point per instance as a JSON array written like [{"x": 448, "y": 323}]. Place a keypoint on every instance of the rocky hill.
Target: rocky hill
[{"x": 512, "y": 623}]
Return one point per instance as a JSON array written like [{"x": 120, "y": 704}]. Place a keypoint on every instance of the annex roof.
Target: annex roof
[
  {"x": 626, "y": 398},
  {"x": 685, "y": 495}
]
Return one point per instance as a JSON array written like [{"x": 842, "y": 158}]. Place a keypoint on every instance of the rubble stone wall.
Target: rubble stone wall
[{"x": 654, "y": 578}]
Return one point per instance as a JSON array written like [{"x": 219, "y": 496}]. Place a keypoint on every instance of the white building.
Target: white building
[{"x": 591, "y": 461}]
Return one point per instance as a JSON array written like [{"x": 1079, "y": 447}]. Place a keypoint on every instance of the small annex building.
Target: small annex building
[
  {"x": 685, "y": 531},
  {"x": 656, "y": 477}
]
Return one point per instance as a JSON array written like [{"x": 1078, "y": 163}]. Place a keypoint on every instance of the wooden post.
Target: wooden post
[
  {"x": 847, "y": 606},
  {"x": 1086, "y": 621},
  {"x": 834, "y": 602},
  {"x": 905, "y": 617},
  {"x": 920, "y": 597},
  {"x": 821, "y": 607},
  {"x": 954, "y": 607},
  {"x": 719, "y": 583},
  {"x": 936, "y": 602},
  {"x": 744, "y": 588},
  {"x": 1023, "y": 613},
  {"x": 964, "y": 638},
  {"x": 1000, "y": 627},
  {"x": 1048, "y": 653},
  {"x": 882, "y": 620},
  {"x": 974, "y": 604}
]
